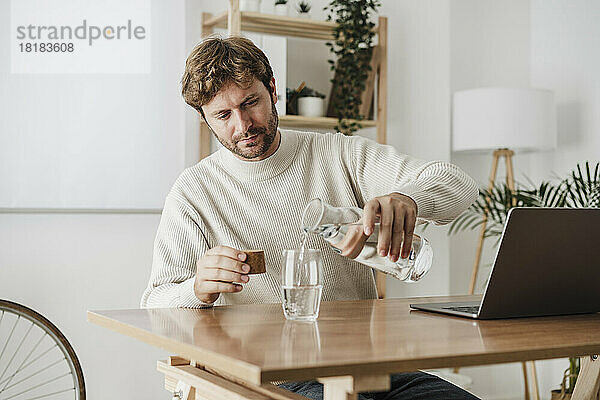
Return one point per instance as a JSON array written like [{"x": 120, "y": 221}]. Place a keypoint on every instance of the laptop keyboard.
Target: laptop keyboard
[{"x": 465, "y": 309}]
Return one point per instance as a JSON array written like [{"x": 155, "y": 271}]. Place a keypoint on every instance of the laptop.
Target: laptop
[{"x": 547, "y": 263}]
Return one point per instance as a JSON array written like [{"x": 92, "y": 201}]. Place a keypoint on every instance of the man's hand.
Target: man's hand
[
  {"x": 397, "y": 218},
  {"x": 220, "y": 270}
]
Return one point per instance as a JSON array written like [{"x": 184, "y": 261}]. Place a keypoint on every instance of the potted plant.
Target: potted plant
[
  {"x": 281, "y": 7},
  {"x": 353, "y": 48},
  {"x": 304, "y": 101},
  {"x": 580, "y": 189},
  {"x": 303, "y": 8},
  {"x": 310, "y": 103}
]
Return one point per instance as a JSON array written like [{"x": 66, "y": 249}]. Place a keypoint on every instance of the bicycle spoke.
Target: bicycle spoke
[
  {"x": 50, "y": 394},
  {"x": 19, "y": 368},
  {"x": 37, "y": 386},
  {"x": 34, "y": 364},
  {"x": 32, "y": 375},
  {"x": 10, "y": 336},
  {"x": 34, "y": 360},
  {"x": 40, "y": 356},
  {"x": 16, "y": 351}
]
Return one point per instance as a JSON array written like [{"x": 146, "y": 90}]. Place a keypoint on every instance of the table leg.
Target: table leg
[
  {"x": 588, "y": 381},
  {"x": 536, "y": 389},
  {"x": 525, "y": 382},
  {"x": 204, "y": 384},
  {"x": 536, "y": 395},
  {"x": 348, "y": 387}
]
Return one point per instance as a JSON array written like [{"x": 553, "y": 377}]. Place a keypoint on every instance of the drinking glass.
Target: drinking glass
[{"x": 301, "y": 283}]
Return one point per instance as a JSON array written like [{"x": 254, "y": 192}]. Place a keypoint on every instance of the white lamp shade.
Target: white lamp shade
[{"x": 497, "y": 118}]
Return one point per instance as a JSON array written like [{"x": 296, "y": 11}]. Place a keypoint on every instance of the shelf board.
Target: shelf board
[
  {"x": 298, "y": 121},
  {"x": 277, "y": 25}
]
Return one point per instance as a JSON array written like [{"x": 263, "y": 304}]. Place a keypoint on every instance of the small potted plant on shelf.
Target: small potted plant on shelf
[
  {"x": 305, "y": 101},
  {"x": 281, "y": 7},
  {"x": 310, "y": 103},
  {"x": 303, "y": 8}
]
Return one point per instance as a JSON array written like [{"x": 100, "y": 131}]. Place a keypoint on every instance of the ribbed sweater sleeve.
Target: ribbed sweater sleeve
[
  {"x": 441, "y": 190},
  {"x": 179, "y": 243}
]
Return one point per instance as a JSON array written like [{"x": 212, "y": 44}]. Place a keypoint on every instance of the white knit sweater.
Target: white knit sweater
[{"x": 223, "y": 200}]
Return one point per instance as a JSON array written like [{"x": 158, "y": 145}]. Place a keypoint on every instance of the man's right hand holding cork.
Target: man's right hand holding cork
[{"x": 224, "y": 269}]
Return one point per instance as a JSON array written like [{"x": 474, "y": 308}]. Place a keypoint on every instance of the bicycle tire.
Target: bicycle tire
[{"x": 57, "y": 336}]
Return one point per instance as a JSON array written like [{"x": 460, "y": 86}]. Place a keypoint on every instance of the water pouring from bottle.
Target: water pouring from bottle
[{"x": 334, "y": 223}]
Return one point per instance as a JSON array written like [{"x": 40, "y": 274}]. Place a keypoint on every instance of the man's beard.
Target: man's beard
[{"x": 255, "y": 150}]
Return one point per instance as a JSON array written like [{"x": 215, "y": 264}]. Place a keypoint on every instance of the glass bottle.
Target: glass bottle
[{"x": 334, "y": 223}]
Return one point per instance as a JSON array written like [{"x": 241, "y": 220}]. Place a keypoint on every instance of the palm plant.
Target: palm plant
[
  {"x": 494, "y": 205},
  {"x": 580, "y": 189},
  {"x": 584, "y": 189}
]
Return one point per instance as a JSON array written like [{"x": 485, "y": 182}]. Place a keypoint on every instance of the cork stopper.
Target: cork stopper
[{"x": 256, "y": 260}]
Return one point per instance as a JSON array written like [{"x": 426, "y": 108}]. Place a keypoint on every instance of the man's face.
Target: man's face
[{"x": 245, "y": 120}]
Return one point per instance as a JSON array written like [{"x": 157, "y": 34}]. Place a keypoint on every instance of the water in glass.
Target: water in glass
[{"x": 302, "y": 283}]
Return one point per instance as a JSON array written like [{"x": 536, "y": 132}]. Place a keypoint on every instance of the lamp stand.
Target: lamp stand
[{"x": 510, "y": 182}]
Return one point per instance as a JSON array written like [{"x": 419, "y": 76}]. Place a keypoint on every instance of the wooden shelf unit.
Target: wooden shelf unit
[
  {"x": 316, "y": 122},
  {"x": 236, "y": 21},
  {"x": 275, "y": 25}
]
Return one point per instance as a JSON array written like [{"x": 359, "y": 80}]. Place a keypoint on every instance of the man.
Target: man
[{"x": 250, "y": 195}]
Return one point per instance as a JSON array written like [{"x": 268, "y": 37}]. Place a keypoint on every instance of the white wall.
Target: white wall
[
  {"x": 94, "y": 140},
  {"x": 565, "y": 58}
]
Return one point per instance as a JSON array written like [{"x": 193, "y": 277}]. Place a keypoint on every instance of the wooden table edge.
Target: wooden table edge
[
  {"x": 392, "y": 367},
  {"x": 248, "y": 372}
]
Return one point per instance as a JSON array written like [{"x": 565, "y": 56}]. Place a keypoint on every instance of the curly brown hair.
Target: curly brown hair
[{"x": 216, "y": 62}]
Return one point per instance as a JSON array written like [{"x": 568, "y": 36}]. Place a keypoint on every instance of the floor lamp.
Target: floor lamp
[{"x": 502, "y": 120}]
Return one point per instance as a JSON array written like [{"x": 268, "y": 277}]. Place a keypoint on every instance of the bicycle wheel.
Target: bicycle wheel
[{"x": 36, "y": 360}]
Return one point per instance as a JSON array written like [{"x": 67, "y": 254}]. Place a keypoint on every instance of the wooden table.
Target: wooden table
[{"x": 234, "y": 352}]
